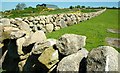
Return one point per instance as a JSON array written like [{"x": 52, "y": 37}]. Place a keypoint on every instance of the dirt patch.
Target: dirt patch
[
  {"x": 114, "y": 30},
  {"x": 115, "y": 42}
]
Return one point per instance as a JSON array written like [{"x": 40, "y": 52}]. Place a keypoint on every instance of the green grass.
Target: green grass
[
  {"x": 36, "y": 12},
  {"x": 94, "y": 29}
]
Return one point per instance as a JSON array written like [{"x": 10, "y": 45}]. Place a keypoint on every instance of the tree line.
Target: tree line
[{"x": 88, "y": 7}]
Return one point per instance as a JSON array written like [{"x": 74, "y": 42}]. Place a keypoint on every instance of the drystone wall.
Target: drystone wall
[
  {"x": 51, "y": 22},
  {"x": 24, "y": 50}
]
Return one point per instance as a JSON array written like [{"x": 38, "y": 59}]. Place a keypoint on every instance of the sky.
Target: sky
[
  {"x": 6, "y": 5},
  {"x": 60, "y": 0}
]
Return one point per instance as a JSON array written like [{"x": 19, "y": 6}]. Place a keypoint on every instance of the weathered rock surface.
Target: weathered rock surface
[
  {"x": 70, "y": 43},
  {"x": 37, "y": 37},
  {"x": 38, "y": 48},
  {"x": 5, "y": 21},
  {"x": 22, "y": 25},
  {"x": 49, "y": 57},
  {"x": 49, "y": 27},
  {"x": 104, "y": 58},
  {"x": 71, "y": 63}
]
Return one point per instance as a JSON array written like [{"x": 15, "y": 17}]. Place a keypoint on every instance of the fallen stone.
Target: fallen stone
[
  {"x": 104, "y": 58},
  {"x": 115, "y": 42},
  {"x": 113, "y": 31},
  {"x": 70, "y": 43}
]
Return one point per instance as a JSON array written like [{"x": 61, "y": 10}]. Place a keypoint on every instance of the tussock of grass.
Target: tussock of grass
[{"x": 95, "y": 29}]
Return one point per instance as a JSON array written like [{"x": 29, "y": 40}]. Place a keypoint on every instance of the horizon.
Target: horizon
[{"x": 11, "y": 5}]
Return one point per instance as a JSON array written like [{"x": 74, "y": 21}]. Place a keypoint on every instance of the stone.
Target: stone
[
  {"x": 21, "y": 65},
  {"x": 23, "y": 25},
  {"x": 1, "y": 45},
  {"x": 52, "y": 41},
  {"x": 115, "y": 42},
  {"x": 40, "y": 47},
  {"x": 71, "y": 63},
  {"x": 5, "y": 21},
  {"x": 104, "y": 58},
  {"x": 18, "y": 19},
  {"x": 70, "y": 43},
  {"x": 117, "y": 31},
  {"x": 2, "y": 57},
  {"x": 37, "y": 18},
  {"x": 49, "y": 27},
  {"x": 12, "y": 21},
  {"x": 8, "y": 28},
  {"x": 30, "y": 19},
  {"x": 42, "y": 22},
  {"x": 35, "y": 22},
  {"x": 20, "y": 43},
  {"x": 37, "y": 37},
  {"x": 17, "y": 34},
  {"x": 5, "y": 33},
  {"x": 57, "y": 28},
  {"x": 62, "y": 23},
  {"x": 44, "y": 30},
  {"x": 52, "y": 57}
]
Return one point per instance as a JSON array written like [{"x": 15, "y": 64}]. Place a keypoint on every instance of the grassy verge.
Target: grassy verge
[
  {"x": 95, "y": 29},
  {"x": 36, "y": 12}
]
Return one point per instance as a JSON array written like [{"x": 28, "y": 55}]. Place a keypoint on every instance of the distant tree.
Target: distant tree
[
  {"x": 113, "y": 7},
  {"x": 78, "y": 6},
  {"x": 83, "y": 6},
  {"x": 71, "y": 7},
  {"x": 20, "y": 6}
]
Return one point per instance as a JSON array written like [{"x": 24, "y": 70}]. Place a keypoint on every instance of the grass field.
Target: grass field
[{"x": 95, "y": 29}]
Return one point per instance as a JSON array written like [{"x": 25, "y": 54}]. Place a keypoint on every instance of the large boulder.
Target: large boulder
[
  {"x": 70, "y": 43},
  {"x": 72, "y": 62},
  {"x": 17, "y": 34},
  {"x": 104, "y": 58},
  {"x": 22, "y": 25},
  {"x": 37, "y": 37},
  {"x": 40, "y": 47},
  {"x": 49, "y": 57}
]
